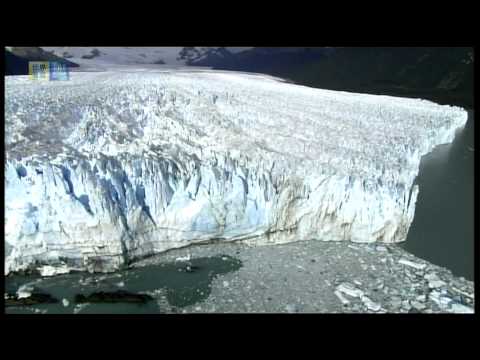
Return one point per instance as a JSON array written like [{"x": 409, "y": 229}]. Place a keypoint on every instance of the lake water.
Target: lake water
[
  {"x": 179, "y": 287},
  {"x": 442, "y": 231}
]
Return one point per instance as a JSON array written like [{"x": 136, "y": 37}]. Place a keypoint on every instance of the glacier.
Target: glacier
[{"x": 113, "y": 166}]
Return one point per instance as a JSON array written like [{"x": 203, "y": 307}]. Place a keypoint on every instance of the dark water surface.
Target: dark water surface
[
  {"x": 442, "y": 231},
  {"x": 181, "y": 288}
]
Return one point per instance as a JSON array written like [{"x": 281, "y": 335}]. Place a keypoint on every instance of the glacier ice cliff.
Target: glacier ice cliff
[{"x": 112, "y": 166}]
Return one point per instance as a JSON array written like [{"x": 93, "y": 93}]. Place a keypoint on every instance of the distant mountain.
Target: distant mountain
[
  {"x": 170, "y": 56},
  {"x": 17, "y": 59},
  {"x": 441, "y": 74},
  {"x": 271, "y": 60},
  {"x": 206, "y": 56},
  {"x": 15, "y": 65}
]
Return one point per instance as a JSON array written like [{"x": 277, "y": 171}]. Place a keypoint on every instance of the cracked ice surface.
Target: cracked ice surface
[{"x": 112, "y": 166}]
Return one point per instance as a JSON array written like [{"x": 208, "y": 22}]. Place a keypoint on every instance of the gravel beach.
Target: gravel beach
[
  {"x": 326, "y": 277},
  {"x": 301, "y": 277}
]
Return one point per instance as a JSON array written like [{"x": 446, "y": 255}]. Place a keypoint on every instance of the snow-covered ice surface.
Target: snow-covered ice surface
[{"x": 112, "y": 166}]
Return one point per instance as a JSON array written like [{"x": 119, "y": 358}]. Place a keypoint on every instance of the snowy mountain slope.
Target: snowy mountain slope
[
  {"x": 102, "y": 56},
  {"x": 115, "y": 165}
]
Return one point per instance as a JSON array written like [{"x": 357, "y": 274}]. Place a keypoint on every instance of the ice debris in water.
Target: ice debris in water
[{"x": 412, "y": 264}]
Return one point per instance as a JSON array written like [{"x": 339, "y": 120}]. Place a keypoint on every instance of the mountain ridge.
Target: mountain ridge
[{"x": 440, "y": 74}]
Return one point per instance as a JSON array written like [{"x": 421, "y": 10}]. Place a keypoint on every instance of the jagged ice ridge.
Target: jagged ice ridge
[{"x": 113, "y": 166}]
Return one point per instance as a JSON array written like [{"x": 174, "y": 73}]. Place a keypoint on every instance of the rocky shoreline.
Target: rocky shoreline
[
  {"x": 328, "y": 277},
  {"x": 300, "y": 277}
]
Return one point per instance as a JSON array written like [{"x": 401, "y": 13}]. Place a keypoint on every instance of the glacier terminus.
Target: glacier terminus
[{"x": 113, "y": 166}]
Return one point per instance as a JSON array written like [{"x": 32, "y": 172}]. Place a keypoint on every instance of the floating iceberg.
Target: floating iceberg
[{"x": 112, "y": 166}]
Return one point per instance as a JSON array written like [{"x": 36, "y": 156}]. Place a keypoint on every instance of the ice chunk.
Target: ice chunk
[
  {"x": 412, "y": 264},
  {"x": 48, "y": 270},
  {"x": 183, "y": 258},
  {"x": 461, "y": 309},
  {"x": 371, "y": 305},
  {"x": 24, "y": 291},
  {"x": 341, "y": 297},
  {"x": 350, "y": 290},
  {"x": 436, "y": 284}
]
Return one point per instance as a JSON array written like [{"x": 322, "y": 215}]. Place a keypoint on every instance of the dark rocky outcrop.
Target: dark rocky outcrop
[
  {"x": 17, "y": 59},
  {"x": 113, "y": 297},
  {"x": 34, "y": 299}
]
